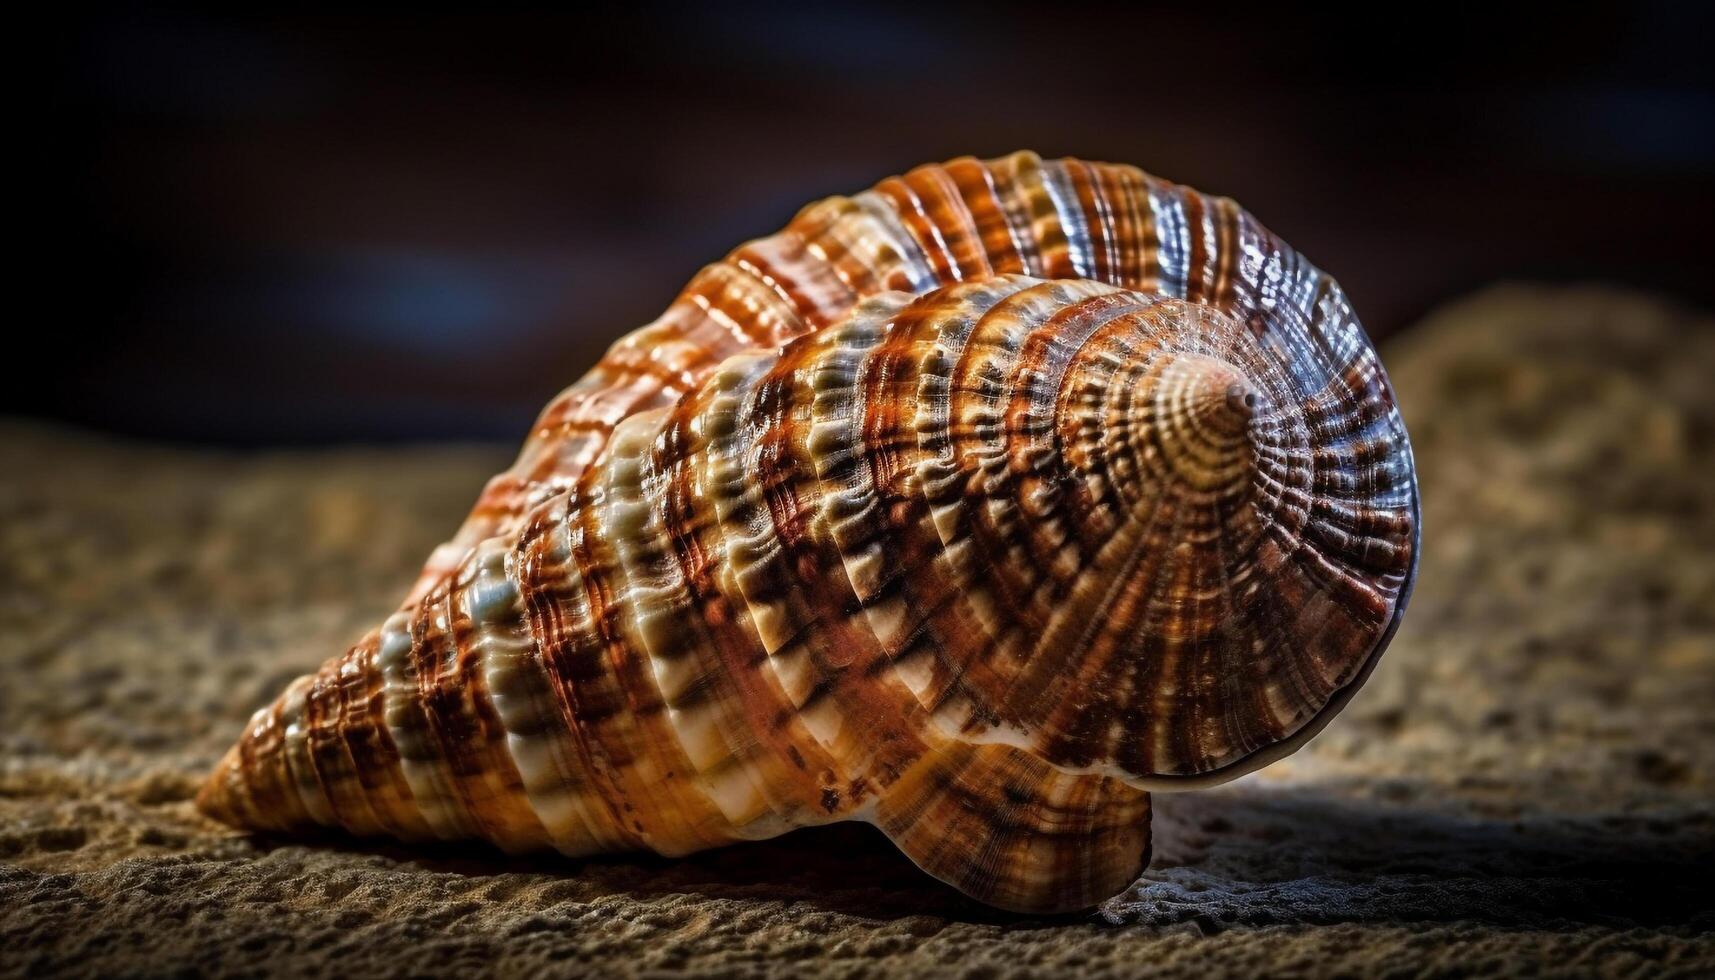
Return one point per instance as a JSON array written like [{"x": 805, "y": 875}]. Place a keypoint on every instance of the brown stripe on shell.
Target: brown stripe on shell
[{"x": 333, "y": 764}]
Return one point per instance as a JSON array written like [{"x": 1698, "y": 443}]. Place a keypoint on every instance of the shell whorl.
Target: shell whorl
[
  {"x": 1173, "y": 547},
  {"x": 979, "y": 563}
]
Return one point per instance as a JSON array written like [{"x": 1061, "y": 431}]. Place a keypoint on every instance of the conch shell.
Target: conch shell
[{"x": 1073, "y": 484}]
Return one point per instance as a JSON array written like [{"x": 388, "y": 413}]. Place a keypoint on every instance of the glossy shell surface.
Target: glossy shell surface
[{"x": 980, "y": 557}]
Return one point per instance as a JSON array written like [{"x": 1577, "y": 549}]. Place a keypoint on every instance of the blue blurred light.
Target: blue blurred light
[{"x": 415, "y": 299}]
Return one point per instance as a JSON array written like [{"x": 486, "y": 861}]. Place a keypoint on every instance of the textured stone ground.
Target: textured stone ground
[{"x": 1524, "y": 786}]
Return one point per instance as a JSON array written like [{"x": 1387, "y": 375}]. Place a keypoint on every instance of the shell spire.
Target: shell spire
[{"x": 980, "y": 565}]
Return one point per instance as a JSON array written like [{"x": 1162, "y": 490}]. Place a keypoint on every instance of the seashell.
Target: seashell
[{"x": 981, "y": 563}]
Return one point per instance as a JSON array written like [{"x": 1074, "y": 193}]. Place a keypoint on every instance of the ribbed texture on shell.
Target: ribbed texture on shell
[
  {"x": 978, "y": 565},
  {"x": 938, "y": 224}
]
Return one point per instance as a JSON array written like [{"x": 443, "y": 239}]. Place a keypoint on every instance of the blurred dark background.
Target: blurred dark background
[{"x": 306, "y": 228}]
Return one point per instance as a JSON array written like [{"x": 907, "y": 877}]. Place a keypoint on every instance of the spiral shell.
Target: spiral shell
[{"x": 979, "y": 563}]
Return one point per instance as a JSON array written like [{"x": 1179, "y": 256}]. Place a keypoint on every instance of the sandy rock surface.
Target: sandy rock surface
[{"x": 1526, "y": 784}]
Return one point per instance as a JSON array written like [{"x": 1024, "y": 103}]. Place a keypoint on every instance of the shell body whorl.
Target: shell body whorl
[{"x": 979, "y": 563}]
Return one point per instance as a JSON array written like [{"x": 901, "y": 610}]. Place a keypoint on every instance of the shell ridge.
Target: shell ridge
[{"x": 563, "y": 776}]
